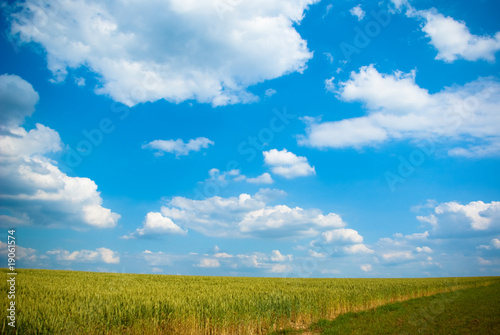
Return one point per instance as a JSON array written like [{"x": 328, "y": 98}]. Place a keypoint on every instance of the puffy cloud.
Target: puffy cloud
[
  {"x": 452, "y": 38},
  {"x": 178, "y": 147},
  {"x": 99, "y": 255},
  {"x": 494, "y": 245},
  {"x": 24, "y": 254},
  {"x": 342, "y": 235},
  {"x": 173, "y": 50},
  {"x": 357, "y": 249},
  {"x": 287, "y": 164},
  {"x": 358, "y": 12},
  {"x": 483, "y": 261},
  {"x": 156, "y": 224},
  {"x": 270, "y": 92},
  {"x": 452, "y": 219},
  {"x": 366, "y": 267},
  {"x": 264, "y": 178},
  {"x": 424, "y": 249},
  {"x": 208, "y": 263},
  {"x": 18, "y": 100},
  {"x": 276, "y": 256},
  {"x": 247, "y": 215},
  {"x": 223, "y": 255},
  {"x": 34, "y": 190},
  {"x": 397, "y": 257},
  {"x": 281, "y": 268},
  {"x": 398, "y": 109}
]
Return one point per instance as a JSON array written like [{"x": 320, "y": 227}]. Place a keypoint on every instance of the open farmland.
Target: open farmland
[{"x": 67, "y": 302}]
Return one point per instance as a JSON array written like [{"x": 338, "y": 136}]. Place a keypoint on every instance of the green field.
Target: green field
[{"x": 68, "y": 302}]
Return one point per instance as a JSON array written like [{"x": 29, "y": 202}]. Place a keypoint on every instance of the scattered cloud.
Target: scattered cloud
[
  {"x": 452, "y": 38},
  {"x": 366, "y": 267},
  {"x": 494, "y": 245},
  {"x": 34, "y": 189},
  {"x": 287, "y": 164},
  {"x": 247, "y": 215},
  {"x": 452, "y": 219},
  {"x": 270, "y": 92},
  {"x": 398, "y": 109},
  {"x": 342, "y": 235},
  {"x": 99, "y": 255},
  {"x": 208, "y": 263},
  {"x": 276, "y": 256},
  {"x": 163, "y": 49},
  {"x": 178, "y": 147},
  {"x": 156, "y": 224},
  {"x": 264, "y": 178},
  {"x": 358, "y": 12}
]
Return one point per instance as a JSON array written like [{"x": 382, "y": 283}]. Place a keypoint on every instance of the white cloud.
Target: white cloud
[
  {"x": 178, "y": 147},
  {"x": 264, "y": 178},
  {"x": 357, "y": 249},
  {"x": 342, "y": 235},
  {"x": 398, "y": 109},
  {"x": 281, "y": 268},
  {"x": 18, "y": 100},
  {"x": 208, "y": 263},
  {"x": 453, "y": 39},
  {"x": 397, "y": 256},
  {"x": 247, "y": 215},
  {"x": 454, "y": 219},
  {"x": 358, "y": 12},
  {"x": 222, "y": 255},
  {"x": 173, "y": 50},
  {"x": 99, "y": 255},
  {"x": 424, "y": 250},
  {"x": 366, "y": 267},
  {"x": 483, "y": 261},
  {"x": 25, "y": 254},
  {"x": 156, "y": 224},
  {"x": 34, "y": 190},
  {"x": 287, "y": 164},
  {"x": 270, "y": 92},
  {"x": 276, "y": 256},
  {"x": 494, "y": 245},
  {"x": 316, "y": 254}
]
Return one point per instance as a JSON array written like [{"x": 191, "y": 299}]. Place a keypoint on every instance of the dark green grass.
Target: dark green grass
[{"x": 469, "y": 311}]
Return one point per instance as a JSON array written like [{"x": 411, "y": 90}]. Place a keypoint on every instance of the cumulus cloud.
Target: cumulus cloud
[
  {"x": 208, "y": 263},
  {"x": 398, "y": 109},
  {"x": 34, "y": 189},
  {"x": 156, "y": 224},
  {"x": 24, "y": 254},
  {"x": 453, "y": 219},
  {"x": 246, "y": 215},
  {"x": 342, "y": 235},
  {"x": 173, "y": 50},
  {"x": 18, "y": 100},
  {"x": 264, "y": 178},
  {"x": 358, "y": 12},
  {"x": 366, "y": 267},
  {"x": 276, "y": 256},
  {"x": 493, "y": 245},
  {"x": 178, "y": 147},
  {"x": 287, "y": 164},
  {"x": 99, "y": 255},
  {"x": 452, "y": 39}
]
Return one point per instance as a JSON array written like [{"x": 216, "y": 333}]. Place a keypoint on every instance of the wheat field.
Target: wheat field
[{"x": 71, "y": 302}]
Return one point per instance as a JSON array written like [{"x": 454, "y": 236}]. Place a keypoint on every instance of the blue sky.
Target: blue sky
[{"x": 271, "y": 138}]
